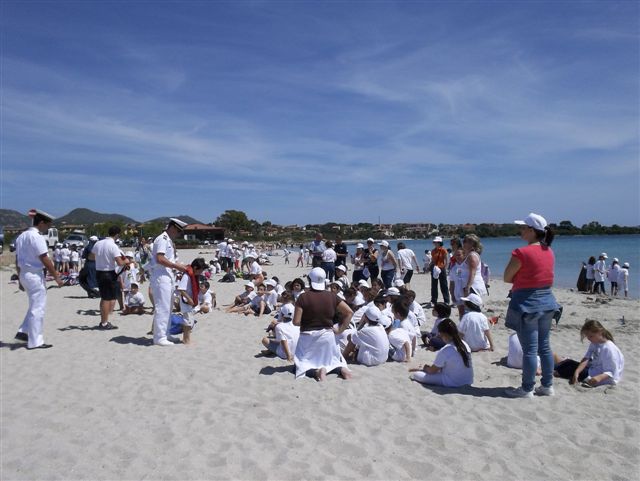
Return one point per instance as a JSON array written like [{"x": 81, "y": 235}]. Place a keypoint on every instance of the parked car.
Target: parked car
[{"x": 79, "y": 240}]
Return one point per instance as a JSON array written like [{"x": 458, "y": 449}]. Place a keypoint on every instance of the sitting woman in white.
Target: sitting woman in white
[
  {"x": 370, "y": 343},
  {"x": 453, "y": 366},
  {"x": 474, "y": 325}
]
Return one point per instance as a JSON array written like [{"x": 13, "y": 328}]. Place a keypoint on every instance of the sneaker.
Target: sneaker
[
  {"x": 107, "y": 327},
  {"x": 173, "y": 339},
  {"x": 164, "y": 342},
  {"x": 544, "y": 391},
  {"x": 516, "y": 392}
]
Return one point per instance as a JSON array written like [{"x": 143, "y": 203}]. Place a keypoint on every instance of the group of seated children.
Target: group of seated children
[{"x": 386, "y": 323}]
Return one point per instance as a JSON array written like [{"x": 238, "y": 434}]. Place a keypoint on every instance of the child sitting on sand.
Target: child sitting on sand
[
  {"x": 370, "y": 344},
  {"x": 287, "y": 334},
  {"x": 452, "y": 366},
  {"x": 432, "y": 340},
  {"x": 243, "y": 299},
  {"x": 602, "y": 364},
  {"x": 134, "y": 301},
  {"x": 287, "y": 303},
  {"x": 474, "y": 325},
  {"x": 206, "y": 299},
  {"x": 400, "y": 333}
]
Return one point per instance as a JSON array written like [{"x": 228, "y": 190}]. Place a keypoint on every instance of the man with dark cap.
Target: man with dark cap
[
  {"x": 31, "y": 259},
  {"x": 163, "y": 261}
]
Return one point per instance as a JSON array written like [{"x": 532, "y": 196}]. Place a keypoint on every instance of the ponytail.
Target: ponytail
[
  {"x": 546, "y": 236},
  {"x": 448, "y": 327}
]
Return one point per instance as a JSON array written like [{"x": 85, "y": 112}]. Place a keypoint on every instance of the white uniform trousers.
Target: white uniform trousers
[
  {"x": 34, "y": 285},
  {"x": 162, "y": 288}
]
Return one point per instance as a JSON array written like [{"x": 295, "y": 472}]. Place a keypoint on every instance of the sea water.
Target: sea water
[{"x": 570, "y": 252}]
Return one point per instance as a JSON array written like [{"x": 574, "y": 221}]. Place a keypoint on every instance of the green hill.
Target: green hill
[
  {"x": 13, "y": 218},
  {"x": 87, "y": 217},
  {"x": 165, "y": 220}
]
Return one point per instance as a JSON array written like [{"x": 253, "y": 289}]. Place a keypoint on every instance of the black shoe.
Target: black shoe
[
  {"x": 22, "y": 336},
  {"x": 107, "y": 327},
  {"x": 41, "y": 346}
]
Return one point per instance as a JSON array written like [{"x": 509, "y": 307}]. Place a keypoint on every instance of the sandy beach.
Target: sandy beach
[{"x": 109, "y": 405}]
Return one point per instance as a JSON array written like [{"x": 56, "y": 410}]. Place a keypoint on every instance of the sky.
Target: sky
[{"x": 300, "y": 112}]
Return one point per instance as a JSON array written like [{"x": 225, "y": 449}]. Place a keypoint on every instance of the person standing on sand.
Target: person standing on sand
[
  {"x": 163, "y": 261},
  {"x": 532, "y": 304},
  {"x": 316, "y": 248},
  {"x": 341, "y": 252},
  {"x": 108, "y": 255},
  {"x": 600, "y": 274},
  {"x": 31, "y": 258},
  {"x": 438, "y": 269}
]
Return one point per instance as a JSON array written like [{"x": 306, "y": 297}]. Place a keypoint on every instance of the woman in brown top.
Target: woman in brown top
[{"x": 317, "y": 352}]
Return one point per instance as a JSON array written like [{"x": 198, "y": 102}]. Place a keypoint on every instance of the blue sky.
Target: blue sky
[{"x": 304, "y": 112}]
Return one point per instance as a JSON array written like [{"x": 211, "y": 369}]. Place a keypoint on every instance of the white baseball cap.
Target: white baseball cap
[
  {"x": 437, "y": 239},
  {"x": 626, "y": 264},
  {"x": 604, "y": 254},
  {"x": 317, "y": 277},
  {"x": 473, "y": 299},
  {"x": 286, "y": 312},
  {"x": 392, "y": 291},
  {"x": 374, "y": 314},
  {"x": 535, "y": 221},
  {"x": 363, "y": 283},
  {"x": 249, "y": 284},
  {"x": 93, "y": 238},
  {"x": 359, "y": 245},
  {"x": 398, "y": 283},
  {"x": 383, "y": 243},
  {"x": 270, "y": 282},
  {"x": 341, "y": 268},
  {"x": 370, "y": 240}
]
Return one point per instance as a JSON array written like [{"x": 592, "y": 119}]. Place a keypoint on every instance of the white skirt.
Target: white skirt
[{"x": 317, "y": 349}]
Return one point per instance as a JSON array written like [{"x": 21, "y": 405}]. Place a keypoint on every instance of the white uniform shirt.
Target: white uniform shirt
[
  {"x": 472, "y": 326},
  {"x": 162, "y": 245},
  {"x": 106, "y": 252},
  {"x": 135, "y": 300},
  {"x": 329, "y": 255},
  {"x": 286, "y": 330},
  {"x": 454, "y": 372},
  {"x": 30, "y": 245},
  {"x": 605, "y": 358},
  {"x": 205, "y": 298},
  {"x": 372, "y": 343}
]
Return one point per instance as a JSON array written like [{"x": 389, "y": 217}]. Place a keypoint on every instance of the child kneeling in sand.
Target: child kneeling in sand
[
  {"x": 287, "y": 334},
  {"x": 474, "y": 325},
  {"x": 452, "y": 366},
  {"x": 602, "y": 364}
]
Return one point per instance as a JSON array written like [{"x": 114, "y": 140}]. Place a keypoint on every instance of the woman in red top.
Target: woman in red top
[{"x": 532, "y": 304}]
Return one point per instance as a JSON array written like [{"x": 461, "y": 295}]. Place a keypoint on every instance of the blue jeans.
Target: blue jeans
[
  {"x": 387, "y": 277},
  {"x": 329, "y": 269},
  {"x": 533, "y": 333}
]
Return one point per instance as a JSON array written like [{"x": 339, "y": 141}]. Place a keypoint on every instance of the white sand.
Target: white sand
[{"x": 108, "y": 405}]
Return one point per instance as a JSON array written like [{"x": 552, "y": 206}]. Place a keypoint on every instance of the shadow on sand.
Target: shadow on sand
[{"x": 138, "y": 341}]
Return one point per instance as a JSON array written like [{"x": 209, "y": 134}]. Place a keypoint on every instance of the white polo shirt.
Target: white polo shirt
[
  {"x": 106, "y": 252},
  {"x": 30, "y": 245}
]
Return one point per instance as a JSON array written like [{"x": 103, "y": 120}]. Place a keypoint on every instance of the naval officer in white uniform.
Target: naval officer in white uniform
[
  {"x": 163, "y": 261},
  {"x": 31, "y": 259}
]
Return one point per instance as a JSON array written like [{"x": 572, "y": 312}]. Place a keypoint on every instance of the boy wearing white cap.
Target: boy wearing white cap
[
  {"x": 370, "y": 343},
  {"x": 31, "y": 259},
  {"x": 162, "y": 264},
  {"x": 287, "y": 335}
]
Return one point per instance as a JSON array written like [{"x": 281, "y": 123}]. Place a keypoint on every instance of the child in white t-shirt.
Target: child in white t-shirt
[
  {"x": 602, "y": 364},
  {"x": 474, "y": 325},
  {"x": 188, "y": 288},
  {"x": 453, "y": 365},
  {"x": 241, "y": 300},
  {"x": 402, "y": 320},
  {"x": 370, "y": 344},
  {"x": 206, "y": 299},
  {"x": 134, "y": 301},
  {"x": 286, "y": 335},
  {"x": 623, "y": 279}
]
